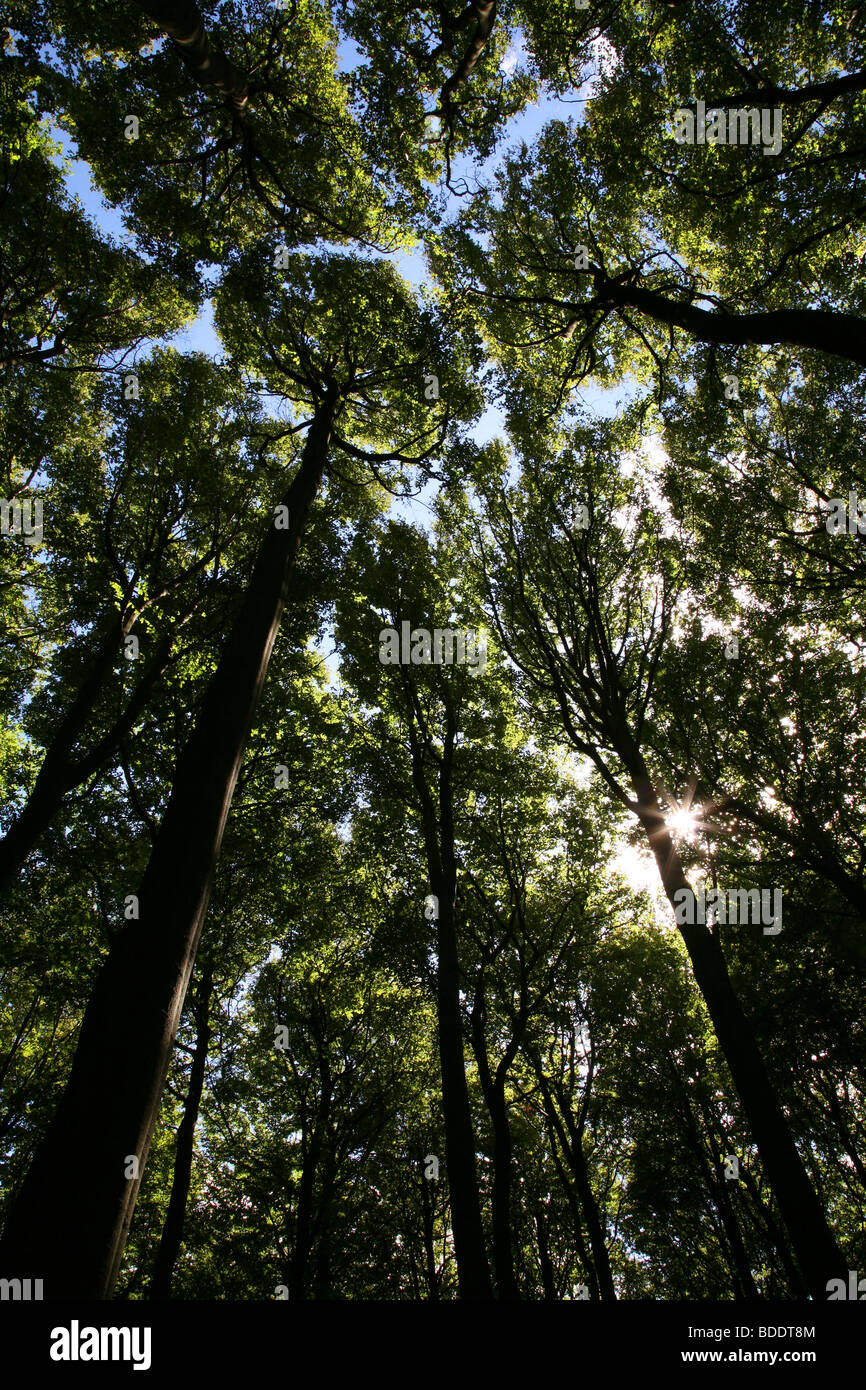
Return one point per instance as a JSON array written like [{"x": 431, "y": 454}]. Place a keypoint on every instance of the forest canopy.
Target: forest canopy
[{"x": 433, "y": 753}]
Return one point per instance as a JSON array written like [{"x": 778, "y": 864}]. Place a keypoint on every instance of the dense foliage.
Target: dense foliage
[{"x": 326, "y": 975}]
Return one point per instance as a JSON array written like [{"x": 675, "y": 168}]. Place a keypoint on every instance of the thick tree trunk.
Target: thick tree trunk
[
  {"x": 324, "y": 1224},
  {"x": 172, "y": 1231},
  {"x": 485, "y": 12},
  {"x": 813, "y": 1241},
  {"x": 182, "y": 21},
  {"x": 69, "y": 1222},
  {"x": 500, "y": 1200},
  {"x": 823, "y": 92},
  {"x": 823, "y": 330}
]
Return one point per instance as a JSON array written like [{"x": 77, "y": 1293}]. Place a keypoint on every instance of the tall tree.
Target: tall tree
[
  {"x": 128, "y": 1030},
  {"x": 588, "y": 623}
]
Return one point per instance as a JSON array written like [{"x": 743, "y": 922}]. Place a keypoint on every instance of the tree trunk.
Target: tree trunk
[
  {"x": 811, "y": 1237},
  {"x": 172, "y": 1231},
  {"x": 469, "y": 1251},
  {"x": 823, "y": 92},
  {"x": 473, "y": 1273},
  {"x": 544, "y": 1261},
  {"x": 68, "y": 1224},
  {"x": 297, "y": 1272},
  {"x": 323, "y": 1234},
  {"x": 572, "y": 1147},
  {"x": 556, "y": 1134},
  {"x": 493, "y": 1088},
  {"x": 182, "y": 21},
  {"x": 730, "y": 1236},
  {"x": 58, "y": 773},
  {"x": 429, "y": 1251},
  {"x": 776, "y": 1237}
]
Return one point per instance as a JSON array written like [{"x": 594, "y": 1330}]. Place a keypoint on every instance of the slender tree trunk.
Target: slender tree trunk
[
  {"x": 741, "y": 1269},
  {"x": 469, "y": 1250},
  {"x": 571, "y": 1139},
  {"x": 811, "y": 1237},
  {"x": 411, "y": 1234},
  {"x": 849, "y": 1143},
  {"x": 814, "y": 846},
  {"x": 473, "y": 1273},
  {"x": 297, "y": 1273},
  {"x": 500, "y": 1202},
  {"x": 59, "y": 774},
  {"x": 172, "y": 1231},
  {"x": 591, "y": 1216},
  {"x": 731, "y": 1237},
  {"x": 544, "y": 1260},
  {"x": 776, "y": 1237},
  {"x": 429, "y": 1249},
  {"x": 493, "y": 1088},
  {"x": 68, "y": 1223},
  {"x": 568, "y": 1186},
  {"x": 52, "y": 781}
]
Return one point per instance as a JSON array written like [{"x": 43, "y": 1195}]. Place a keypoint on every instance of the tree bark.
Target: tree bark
[
  {"x": 472, "y": 1269},
  {"x": 172, "y": 1231},
  {"x": 473, "y": 1273},
  {"x": 813, "y": 1241},
  {"x": 556, "y": 1135},
  {"x": 485, "y": 12},
  {"x": 493, "y": 1087},
  {"x": 68, "y": 1223},
  {"x": 823, "y": 330},
  {"x": 297, "y": 1272},
  {"x": 776, "y": 1237},
  {"x": 182, "y": 21},
  {"x": 427, "y": 1215},
  {"x": 571, "y": 1139},
  {"x": 770, "y": 95}
]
